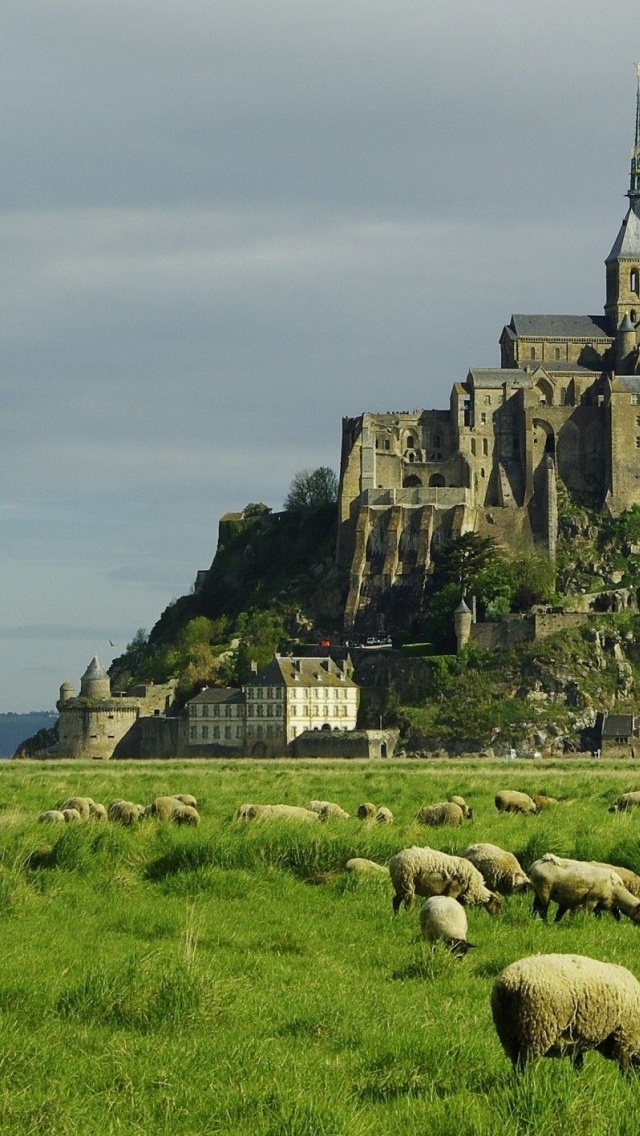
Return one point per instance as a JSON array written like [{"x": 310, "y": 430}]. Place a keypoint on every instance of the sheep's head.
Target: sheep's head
[
  {"x": 493, "y": 905},
  {"x": 635, "y": 918},
  {"x": 521, "y": 882}
]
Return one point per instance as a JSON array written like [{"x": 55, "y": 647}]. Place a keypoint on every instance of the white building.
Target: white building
[{"x": 291, "y": 695}]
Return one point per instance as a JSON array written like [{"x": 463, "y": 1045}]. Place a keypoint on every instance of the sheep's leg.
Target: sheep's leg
[
  {"x": 560, "y": 912},
  {"x": 577, "y": 1059},
  {"x": 615, "y": 911},
  {"x": 539, "y": 907},
  {"x": 396, "y": 901}
]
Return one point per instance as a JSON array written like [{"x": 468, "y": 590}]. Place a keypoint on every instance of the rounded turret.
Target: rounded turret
[
  {"x": 95, "y": 682},
  {"x": 67, "y": 692},
  {"x": 626, "y": 343},
  {"x": 463, "y": 618}
]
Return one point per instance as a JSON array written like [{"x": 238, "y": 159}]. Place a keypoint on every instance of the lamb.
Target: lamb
[
  {"x": 468, "y": 812},
  {"x": 625, "y": 802},
  {"x": 442, "y": 919},
  {"x": 564, "y": 1005},
  {"x": 423, "y": 871},
  {"x": 510, "y": 801},
  {"x": 162, "y": 807},
  {"x": 577, "y": 883},
  {"x": 544, "y": 802},
  {"x": 124, "y": 812},
  {"x": 70, "y": 814},
  {"x": 446, "y": 812},
  {"x": 81, "y": 804},
  {"x": 52, "y": 816},
  {"x": 186, "y": 799},
  {"x": 360, "y": 864},
  {"x": 185, "y": 814},
  {"x": 366, "y": 811},
  {"x": 383, "y": 816},
  {"x": 275, "y": 812},
  {"x": 500, "y": 869},
  {"x": 327, "y": 810}
]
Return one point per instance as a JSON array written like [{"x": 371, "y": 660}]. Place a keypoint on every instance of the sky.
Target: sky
[{"x": 226, "y": 224}]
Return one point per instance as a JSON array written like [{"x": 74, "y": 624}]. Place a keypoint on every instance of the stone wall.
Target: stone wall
[{"x": 345, "y": 743}]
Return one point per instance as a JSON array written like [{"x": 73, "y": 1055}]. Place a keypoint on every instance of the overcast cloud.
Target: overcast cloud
[{"x": 225, "y": 225}]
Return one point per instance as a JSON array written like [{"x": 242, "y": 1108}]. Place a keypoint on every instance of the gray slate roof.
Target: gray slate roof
[
  {"x": 627, "y": 242},
  {"x": 216, "y": 694},
  {"x": 491, "y": 377},
  {"x": 560, "y": 327}
]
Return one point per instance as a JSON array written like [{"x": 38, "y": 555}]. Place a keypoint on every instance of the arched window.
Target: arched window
[
  {"x": 410, "y": 441},
  {"x": 485, "y": 446},
  {"x": 473, "y": 447},
  {"x": 411, "y": 482},
  {"x": 557, "y": 352},
  {"x": 437, "y": 481},
  {"x": 532, "y": 353},
  {"x": 634, "y": 281},
  {"x": 482, "y": 473}
]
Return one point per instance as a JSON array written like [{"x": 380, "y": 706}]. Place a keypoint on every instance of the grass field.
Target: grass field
[{"x": 233, "y": 978}]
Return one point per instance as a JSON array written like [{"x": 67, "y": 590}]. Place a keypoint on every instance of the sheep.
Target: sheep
[
  {"x": 626, "y": 801},
  {"x": 423, "y": 871},
  {"x": 468, "y": 812},
  {"x": 275, "y": 812},
  {"x": 509, "y": 801},
  {"x": 446, "y": 812},
  {"x": 162, "y": 807},
  {"x": 327, "y": 810},
  {"x": 500, "y": 869},
  {"x": 630, "y": 880},
  {"x": 186, "y": 799},
  {"x": 577, "y": 883},
  {"x": 564, "y": 1005},
  {"x": 97, "y": 811},
  {"x": 52, "y": 816},
  {"x": 366, "y": 811},
  {"x": 544, "y": 802},
  {"x": 124, "y": 812},
  {"x": 80, "y": 804},
  {"x": 70, "y": 814},
  {"x": 442, "y": 919},
  {"x": 185, "y": 814},
  {"x": 383, "y": 816},
  {"x": 360, "y": 864}
]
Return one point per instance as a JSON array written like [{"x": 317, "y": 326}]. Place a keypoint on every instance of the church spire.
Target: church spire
[{"x": 634, "y": 184}]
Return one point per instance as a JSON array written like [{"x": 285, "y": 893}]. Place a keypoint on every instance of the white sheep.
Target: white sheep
[
  {"x": 543, "y": 802},
  {"x": 327, "y": 810},
  {"x": 383, "y": 816},
  {"x": 185, "y": 814},
  {"x": 275, "y": 812},
  {"x": 630, "y": 880},
  {"x": 500, "y": 869},
  {"x": 186, "y": 799},
  {"x": 578, "y": 883},
  {"x": 423, "y": 871},
  {"x": 70, "y": 815},
  {"x": 82, "y": 805},
  {"x": 97, "y": 811},
  {"x": 162, "y": 807},
  {"x": 360, "y": 864},
  {"x": 510, "y": 801},
  {"x": 52, "y": 816},
  {"x": 124, "y": 812},
  {"x": 366, "y": 811},
  {"x": 564, "y": 1005},
  {"x": 625, "y": 802},
  {"x": 443, "y": 919},
  {"x": 468, "y": 812},
  {"x": 445, "y": 812}
]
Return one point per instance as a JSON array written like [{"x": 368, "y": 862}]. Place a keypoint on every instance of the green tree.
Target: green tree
[
  {"x": 439, "y": 622},
  {"x": 461, "y": 559},
  {"x": 255, "y": 509},
  {"x": 535, "y": 580},
  {"x": 312, "y": 489}
]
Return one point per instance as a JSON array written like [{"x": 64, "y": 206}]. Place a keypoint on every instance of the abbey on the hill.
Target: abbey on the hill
[{"x": 564, "y": 405}]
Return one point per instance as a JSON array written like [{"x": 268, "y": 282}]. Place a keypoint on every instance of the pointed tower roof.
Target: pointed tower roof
[
  {"x": 627, "y": 242},
  {"x": 462, "y": 608},
  {"x": 95, "y": 669}
]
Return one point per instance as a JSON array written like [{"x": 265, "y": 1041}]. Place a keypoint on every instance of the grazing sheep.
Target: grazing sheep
[
  {"x": 630, "y": 880},
  {"x": 509, "y": 801},
  {"x": 500, "y": 869},
  {"x": 124, "y": 812},
  {"x": 366, "y": 811},
  {"x": 80, "y": 804},
  {"x": 423, "y": 871},
  {"x": 443, "y": 920},
  {"x": 468, "y": 812},
  {"x": 52, "y": 816},
  {"x": 564, "y": 1005},
  {"x": 578, "y": 883},
  {"x": 327, "y": 810},
  {"x": 544, "y": 802},
  {"x": 383, "y": 816},
  {"x": 275, "y": 812},
  {"x": 70, "y": 814},
  {"x": 162, "y": 807},
  {"x": 446, "y": 812},
  {"x": 360, "y": 864},
  {"x": 626, "y": 801},
  {"x": 186, "y": 799},
  {"x": 185, "y": 814},
  {"x": 97, "y": 811}
]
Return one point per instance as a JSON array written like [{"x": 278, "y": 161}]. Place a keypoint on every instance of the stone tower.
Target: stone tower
[
  {"x": 463, "y": 618},
  {"x": 95, "y": 682},
  {"x": 622, "y": 306}
]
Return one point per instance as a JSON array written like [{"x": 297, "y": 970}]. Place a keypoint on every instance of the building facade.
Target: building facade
[{"x": 564, "y": 406}]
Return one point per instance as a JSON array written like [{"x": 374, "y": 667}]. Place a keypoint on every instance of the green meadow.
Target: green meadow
[{"x": 234, "y": 979}]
